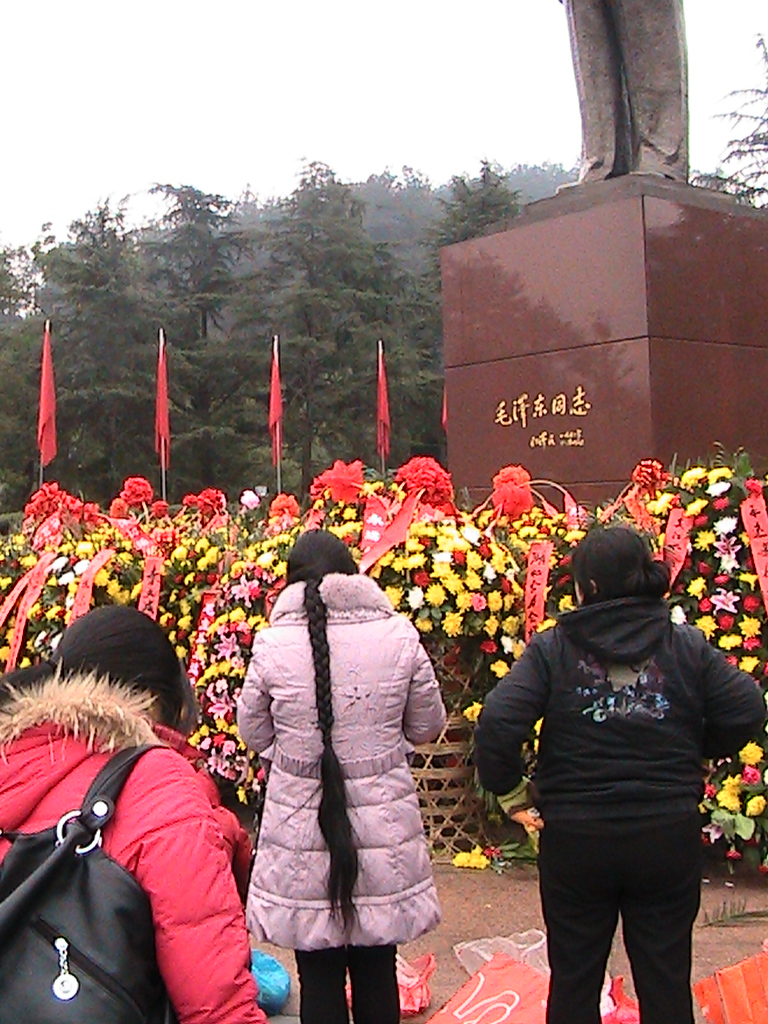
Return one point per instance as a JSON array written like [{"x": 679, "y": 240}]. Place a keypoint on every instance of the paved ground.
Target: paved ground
[{"x": 478, "y": 904}]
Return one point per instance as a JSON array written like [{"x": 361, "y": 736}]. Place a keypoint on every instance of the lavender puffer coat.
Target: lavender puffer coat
[{"x": 385, "y": 697}]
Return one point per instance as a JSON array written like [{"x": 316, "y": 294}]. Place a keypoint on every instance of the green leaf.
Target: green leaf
[{"x": 745, "y": 827}]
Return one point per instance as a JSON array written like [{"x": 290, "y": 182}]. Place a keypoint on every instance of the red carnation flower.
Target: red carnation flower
[
  {"x": 751, "y": 603},
  {"x": 722, "y": 578},
  {"x": 344, "y": 481},
  {"x": 721, "y": 503},
  {"x": 752, "y": 643},
  {"x": 732, "y": 660},
  {"x": 460, "y": 557},
  {"x": 701, "y": 520},
  {"x": 710, "y": 791},
  {"x": 422, "y": 473},
  {"x": 649, "y": 476},
  {"x": 160, "y": 508},
  {"x": 284, "y": 505},
  {"x": 137, "y": 491},
  {"x": 754, "y": 487},
  {"x": 705, "y": 569},
  {"x": 489, "y": 646},
  {"x": 421, "y": 579},
  {"x": 705, "y": 605},
  {"x": 119, "y": 509},
  {"x": 733, "y": 854},
  {"x": 725, "y": 621}
]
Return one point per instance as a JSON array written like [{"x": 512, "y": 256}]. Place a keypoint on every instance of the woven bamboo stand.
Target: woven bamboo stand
[{"x": 443, "y": 771}]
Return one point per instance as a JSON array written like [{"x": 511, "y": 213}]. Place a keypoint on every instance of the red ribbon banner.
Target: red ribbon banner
[
  {"x": 48, "y": 533},
  {"x": 82, "y": 602},
  {"x": 393, "y": 534},
  {"x": 374, "y": 522},
  {"x": 35, "y": 581},
  {"x": 755, "y": 518},
  {"x": 676, "y": 542},
  {"x": 536, "y": 578},
  {"x": 151, "y": 583}
]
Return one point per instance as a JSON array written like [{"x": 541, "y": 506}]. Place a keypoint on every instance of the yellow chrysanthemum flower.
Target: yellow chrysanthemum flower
[
  {"x": 695, "y": 507},
  {"x": 415, "y": 561},
  {"x": 755, "y": 806},
  {"x": 517, "y": 649},
  {"x": 475, "y": 859},
  {"x": 729, "y": 641},
  {"x": 435, "y": 595},
  {"x": 473, "y": 581},
  {"x": 565, "y": 604},
  {"x": 707, "y": 625},
  {"x": 452, "y": 582},
  {"x": 499, "y": 668},
  {"x": 495, "y": 601},
  {"x": 424, "y": 625},
  {"x": 452, "y": 623},
  {"x": 729, "y": 800},
  {"x": 704, "y": 540},
  {"x": 180, "y": 554},
  {"x": 658, "y": 506},
  {"x": 751, "y": 754},
  {"x": 749, "y": 663},
  {"x": 719, "y": 473},
  {"x": 574, "y": 536},
  {"x": 472, "y": 713},
  {"x": 511, "y": 625},
  {"x": 697, "y": 587},
  {"x": 474, "y": 561},
  {"x": 237, "y": 615},
  {"x": 692, "y": 476},
  {"x": 491, "y": 626},
  {"x": 732, "y": 782},
  {"x": 750, "y": 626},
  {"x": 546, "y": 624},
  {"x": 463, "y": 601},
  {"x": 395, "y": 595}
]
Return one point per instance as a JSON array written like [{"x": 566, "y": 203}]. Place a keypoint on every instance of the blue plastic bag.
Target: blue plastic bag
[{"x": 273, "y": 981}]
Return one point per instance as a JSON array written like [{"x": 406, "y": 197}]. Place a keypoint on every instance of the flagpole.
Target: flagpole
[
  {"x": 46, "y": 330},
  {"x": 163, "y": 453},
  {"x": 162, "y": 428},
  {"x": 279, "y": 424},
  {"x": 380, "y": 367}
]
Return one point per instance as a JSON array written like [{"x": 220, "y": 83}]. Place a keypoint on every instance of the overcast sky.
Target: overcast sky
[{"x": 103, "y": 99}]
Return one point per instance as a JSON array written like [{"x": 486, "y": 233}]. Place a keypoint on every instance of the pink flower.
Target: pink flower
[
  {"x": 479, "y": 603},
  {"x": 250, "y": 500},
  {"x": 750, "y": 775}
]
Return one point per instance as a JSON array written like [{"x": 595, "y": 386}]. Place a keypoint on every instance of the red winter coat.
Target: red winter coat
[{"x": 53, "y": 741}]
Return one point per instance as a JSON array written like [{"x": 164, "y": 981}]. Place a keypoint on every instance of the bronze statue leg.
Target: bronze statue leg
[
  {"x": 602, "y": 96},
  {"x": 651, "y": 37}
]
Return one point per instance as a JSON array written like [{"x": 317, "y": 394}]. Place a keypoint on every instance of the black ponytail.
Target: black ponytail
[{"x": 332, "y": 815}]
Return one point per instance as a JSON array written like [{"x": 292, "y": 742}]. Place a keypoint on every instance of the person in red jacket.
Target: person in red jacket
[
  {"x": 57, "y": 730},
  {"x": 128, "y": 646}
]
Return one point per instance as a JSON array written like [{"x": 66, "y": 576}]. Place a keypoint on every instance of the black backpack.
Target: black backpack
[{"x": 77, "y": 941}]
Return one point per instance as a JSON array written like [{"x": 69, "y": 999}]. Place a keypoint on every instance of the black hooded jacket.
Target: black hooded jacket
[{"x": 631, "y": 705}]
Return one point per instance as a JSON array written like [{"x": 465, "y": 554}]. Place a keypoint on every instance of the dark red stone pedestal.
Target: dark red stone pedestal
[{"x": 617, "y": 321}]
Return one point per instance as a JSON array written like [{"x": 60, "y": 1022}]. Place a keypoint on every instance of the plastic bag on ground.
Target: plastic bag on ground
[
  {"x": 273, "y": 981},
  {"x": 736, "y": 994},
  {"x": 528, "y": 947},
  {"x": 412, "y": 984}
]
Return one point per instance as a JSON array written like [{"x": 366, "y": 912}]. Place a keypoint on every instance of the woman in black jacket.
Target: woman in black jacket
[{"x": 631, "y": 705}]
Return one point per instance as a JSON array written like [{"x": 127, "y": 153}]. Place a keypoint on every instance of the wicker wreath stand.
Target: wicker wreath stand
[{"x": 443, "y": 770}]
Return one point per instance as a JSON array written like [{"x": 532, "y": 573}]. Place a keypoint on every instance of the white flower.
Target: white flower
[
  {"x": 678, "y": 615},
  {"x": 442, "y": 556},
  {"x": 66, "y": 578},
  {"x": 471, "y": 533},
  {"x": 508, "y": 645},
  {"x": 59, "y": 564},
  {"x": 415, "y": 597},
  {"x": 729, "y": 564},
  {"x": 719, "y": 487},
  {"x": 489, "y": 573},
  {"x": 725, "y": 525},
  {"x": 40, "y": 640},
  {"x": 69, "y": 600},
  {"x": 55, "y": 641},
  {"x": 80, "y": 567}
]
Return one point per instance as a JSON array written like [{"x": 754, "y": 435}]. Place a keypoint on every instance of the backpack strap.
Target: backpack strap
[{"x": 99, "y": 802}]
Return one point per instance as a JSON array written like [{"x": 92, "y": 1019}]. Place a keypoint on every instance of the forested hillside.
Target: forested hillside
[{"x": 331, "y": 269}]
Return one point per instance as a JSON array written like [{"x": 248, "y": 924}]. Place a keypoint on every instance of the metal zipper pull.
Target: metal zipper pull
[{"x": 65, "y": 985}]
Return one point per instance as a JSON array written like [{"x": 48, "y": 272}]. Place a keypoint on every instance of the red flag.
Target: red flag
[
  {"x": 444, "y": 416},
  {"x": 276, "y": 405},
  {"x": 382, "y": 408},
  {"x": 46, "y": 417},
  {"x": 162, "y": 421}
]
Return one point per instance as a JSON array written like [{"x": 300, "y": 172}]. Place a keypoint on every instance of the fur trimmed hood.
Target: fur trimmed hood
[
  {"x": 347, "y": 599},
  {"x": 98, "y": 712}
]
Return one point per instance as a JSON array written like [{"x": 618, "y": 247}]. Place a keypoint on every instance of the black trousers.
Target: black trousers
[
  {"x": 647, "y": 871},
  {"x": 372, "y": 974}
]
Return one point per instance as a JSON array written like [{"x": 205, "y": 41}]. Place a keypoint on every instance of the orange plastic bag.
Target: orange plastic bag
[
  {"x": 625, "y": 1010},
  {"x": 412, "y": 984},
  {"x": 503, "y": 990},
  {"x": 736, "y": 994}
]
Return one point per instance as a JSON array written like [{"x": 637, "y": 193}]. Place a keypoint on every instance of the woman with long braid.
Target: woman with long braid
[{"x": 337, "y": 689}]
